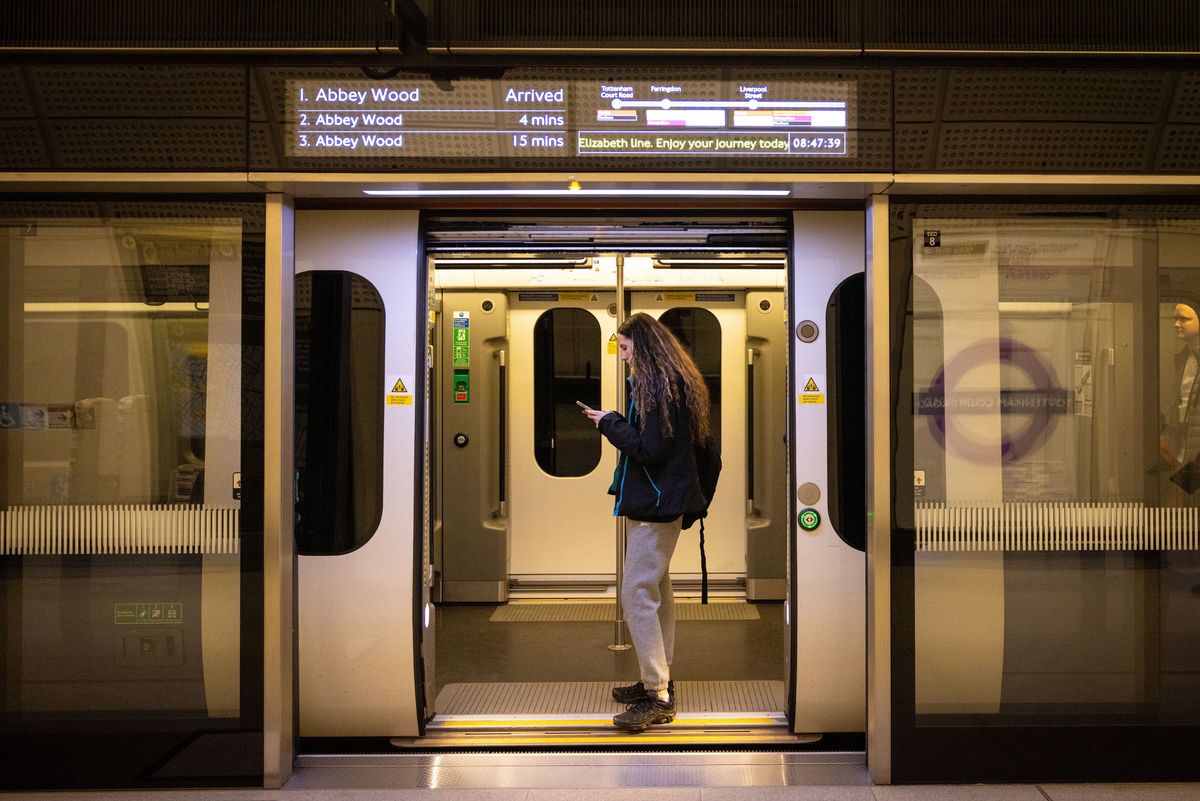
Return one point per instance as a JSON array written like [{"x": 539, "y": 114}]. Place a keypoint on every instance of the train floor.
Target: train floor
[
  {"x": 472, "y": 647},
  {"x": 541, "y": 672}
]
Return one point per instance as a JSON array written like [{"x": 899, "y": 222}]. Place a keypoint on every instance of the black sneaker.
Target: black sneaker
[
  {"x": 632, "y": 693},
  {"x": 647, "y": 711}
]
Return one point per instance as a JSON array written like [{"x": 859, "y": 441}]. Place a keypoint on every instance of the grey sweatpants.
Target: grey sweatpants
[{"x": 648, "y": 600}]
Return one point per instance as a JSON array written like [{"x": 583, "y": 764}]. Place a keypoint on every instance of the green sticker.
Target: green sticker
[
  {"x": 128, "y": 614},
  {"x": 461, "y": 339}
]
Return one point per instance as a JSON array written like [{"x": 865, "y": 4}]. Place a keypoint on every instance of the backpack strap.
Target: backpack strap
[{"x": 703, "y": 567}]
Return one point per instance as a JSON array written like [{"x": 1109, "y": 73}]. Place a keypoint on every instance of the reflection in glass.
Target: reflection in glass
[
  {"x": 1056, "y": 571},
  {"x": 123, "y": 383},
  {"x": 700, "y": 332},
  {"x": 566, "y": 368}
]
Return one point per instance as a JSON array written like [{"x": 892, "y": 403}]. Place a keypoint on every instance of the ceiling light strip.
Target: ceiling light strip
[{"x": 577, "y": 192}]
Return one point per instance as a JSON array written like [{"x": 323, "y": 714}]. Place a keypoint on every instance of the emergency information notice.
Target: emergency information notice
[{"x": 499, "y": 118}]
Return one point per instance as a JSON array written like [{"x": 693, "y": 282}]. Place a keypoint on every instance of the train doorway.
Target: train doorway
[{"x": 526, "y": 639}]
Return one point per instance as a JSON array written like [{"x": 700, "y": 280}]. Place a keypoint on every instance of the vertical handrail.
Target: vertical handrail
[
  {"x": 619, "y": 643},
  {"x": 750, "y": 499},
  {"x": 502, "y": 356}
]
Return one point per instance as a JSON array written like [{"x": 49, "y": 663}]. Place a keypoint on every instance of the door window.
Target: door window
[
  {"x": 566, "y": 353},
  {"x": 339, "y": 411},
  {"x": 700, "y": 332}
]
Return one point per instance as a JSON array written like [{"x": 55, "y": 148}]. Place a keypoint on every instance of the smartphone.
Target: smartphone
[{"x": 583, "y": 405}]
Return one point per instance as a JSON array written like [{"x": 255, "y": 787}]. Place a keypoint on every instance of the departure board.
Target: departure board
[{"x": 586, "y": 120}]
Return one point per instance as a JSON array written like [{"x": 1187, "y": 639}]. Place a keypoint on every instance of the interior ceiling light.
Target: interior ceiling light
[{"x": 577, "y": 192}]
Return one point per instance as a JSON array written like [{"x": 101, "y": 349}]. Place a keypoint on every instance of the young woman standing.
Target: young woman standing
[{"x": 655, "y": 485}]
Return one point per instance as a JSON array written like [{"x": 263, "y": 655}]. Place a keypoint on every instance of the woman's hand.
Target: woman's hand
[{"x": 595, "y": 415}]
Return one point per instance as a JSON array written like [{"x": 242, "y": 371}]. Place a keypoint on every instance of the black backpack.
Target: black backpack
[{"x": 708, "y": 470}]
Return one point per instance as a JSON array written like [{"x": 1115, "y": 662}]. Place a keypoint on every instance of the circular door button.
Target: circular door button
[
  {"x": 461, "y": 440},
  {"x": 809, "y": 519}
]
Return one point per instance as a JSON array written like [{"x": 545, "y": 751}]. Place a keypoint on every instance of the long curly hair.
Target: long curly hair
[{"x": 660, "y": 364}]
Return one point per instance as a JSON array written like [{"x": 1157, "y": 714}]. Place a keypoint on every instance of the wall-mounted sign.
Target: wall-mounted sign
[{"x": 679, "y": 114}]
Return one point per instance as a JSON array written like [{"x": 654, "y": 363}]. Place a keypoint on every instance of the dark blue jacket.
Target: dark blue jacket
[{"x": 656, "y": 475}]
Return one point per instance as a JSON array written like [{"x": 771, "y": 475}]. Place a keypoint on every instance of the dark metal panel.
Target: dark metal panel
[
  {"x": 645, "y": 24},
  {"x": 206, "y": 23},
  {"x": 1040, "y": 25}
]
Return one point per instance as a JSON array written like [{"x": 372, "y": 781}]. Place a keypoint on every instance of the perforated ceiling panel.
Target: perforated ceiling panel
[
  {"x": 1179, "y": 151},
  {"x": 97, "y": 116},
  {"x": 1084, "y": 95},
  {"x": 1040, "y": 147},
  {"x": 21, "y": 146},
  {"x": 139, "y": 91},
  {"x": 1008, "y": 25},
  {"x": 148, "y": 144},
  {"x": 14, "y": 96},
  {"x": 1186, "y": 106},
  {"x": 1047, "y": 120}
]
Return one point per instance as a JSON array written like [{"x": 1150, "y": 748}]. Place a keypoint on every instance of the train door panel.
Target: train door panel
[
  {"x": 766, "y": 475},
  {"x": 828, "y": 593},
  {"x": 472, "y": 542},
  {"x": 563, "y": 351},
  {"x": 356, "y": 649}
]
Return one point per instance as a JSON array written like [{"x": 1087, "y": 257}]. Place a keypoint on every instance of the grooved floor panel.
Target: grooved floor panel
[
  {"x": 595, "y": 697},
  {"x": 596, "y": 613}
]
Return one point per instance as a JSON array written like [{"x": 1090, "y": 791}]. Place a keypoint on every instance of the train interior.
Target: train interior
[{"x": 524, "y": 540}]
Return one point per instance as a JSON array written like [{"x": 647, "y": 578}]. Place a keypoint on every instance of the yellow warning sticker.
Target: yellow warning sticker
[
  {"x": 811, "y": 386},
  {"x": 399, "y": 400},
  {"x": 684, "y": 296},
  {"x": 399, "y": 386},
  {"x": 576, "y": 297},
  {"x": 612, "y": 345},
  {"x": 812, "y": 397}
]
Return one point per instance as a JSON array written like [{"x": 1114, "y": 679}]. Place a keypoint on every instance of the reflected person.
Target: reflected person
[{"x": 1180, "y": 445}]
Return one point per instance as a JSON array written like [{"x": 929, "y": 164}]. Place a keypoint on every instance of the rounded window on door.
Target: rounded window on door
[
  {"x": 700, "y": 332},
  {"x": 566, "y": 359}
]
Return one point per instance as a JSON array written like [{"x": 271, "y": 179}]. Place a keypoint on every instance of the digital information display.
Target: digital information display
[{"x": 419, "y": 118}]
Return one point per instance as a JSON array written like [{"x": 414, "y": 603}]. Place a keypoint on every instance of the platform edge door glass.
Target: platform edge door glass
[
  {"x": 132, "y": 556},
  {"x": 359, "y": 611},
  {"x": 562, "y": 525},
  {"x": 471, "y": 363},
  {"x": 827, "y": 602},
  {"x": 1043, "y": 574}
]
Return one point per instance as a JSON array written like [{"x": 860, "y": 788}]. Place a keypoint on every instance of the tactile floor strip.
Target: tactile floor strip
[
  {"x": 595, "y": 697},
  {"x": 594, "y": 613}
]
